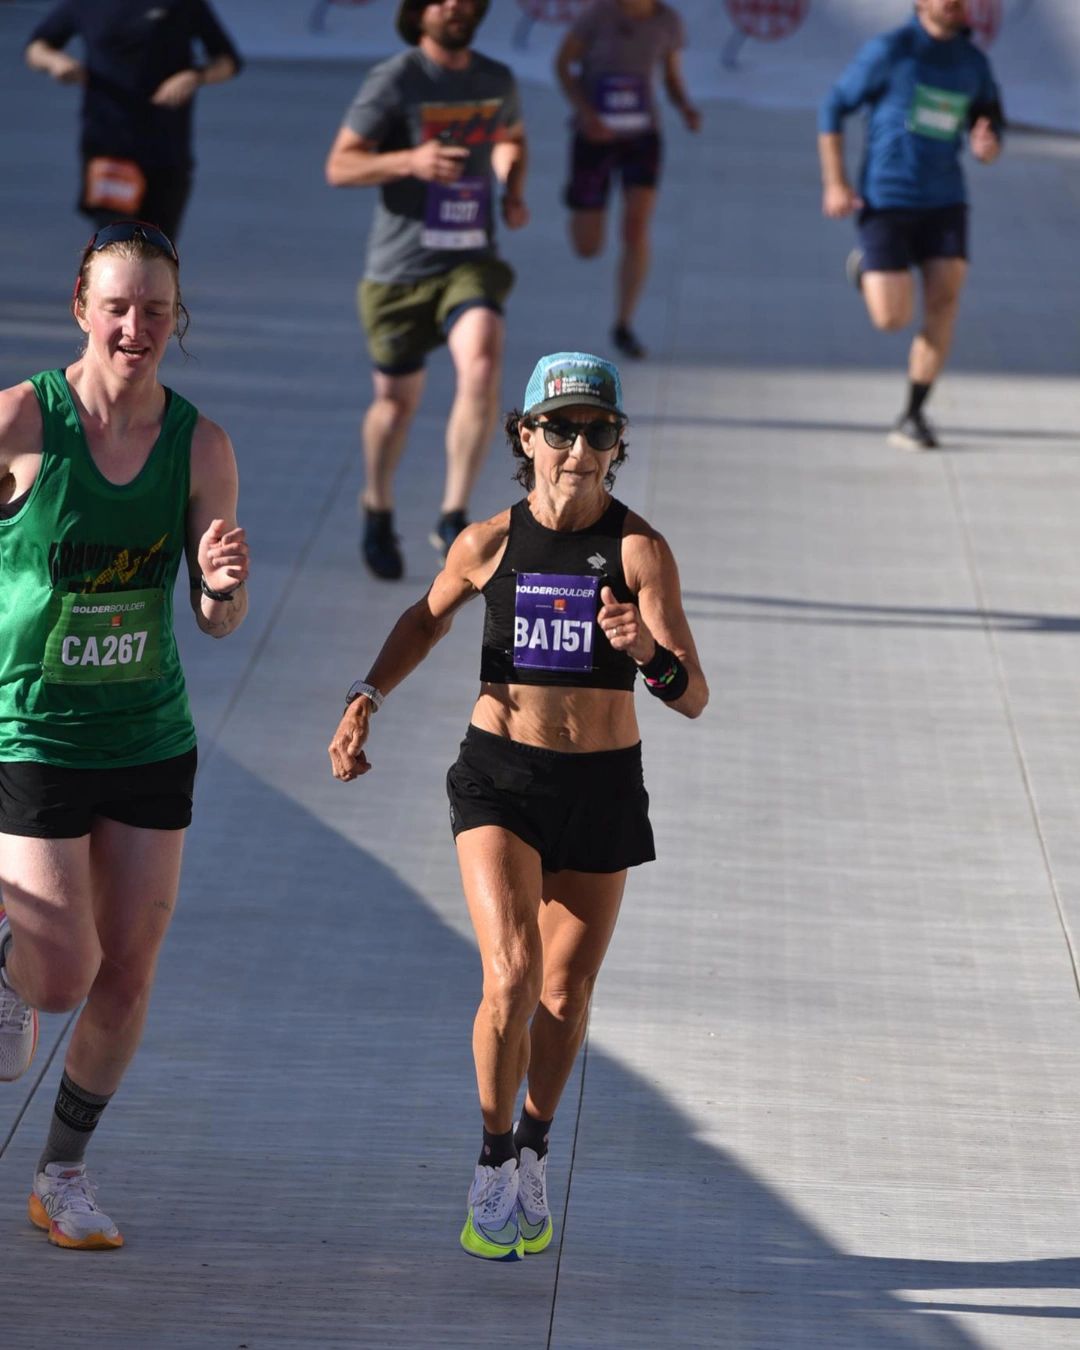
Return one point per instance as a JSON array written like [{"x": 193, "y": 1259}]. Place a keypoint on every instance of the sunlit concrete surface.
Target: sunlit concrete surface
[{"x": 831, "y": 1095}]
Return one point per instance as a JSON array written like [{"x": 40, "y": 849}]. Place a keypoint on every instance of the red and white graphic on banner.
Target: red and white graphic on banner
[
  {"x": 767, "y": 20},
  {"x": 985, "y": 19},
  {"x": 553, "y": 11}
]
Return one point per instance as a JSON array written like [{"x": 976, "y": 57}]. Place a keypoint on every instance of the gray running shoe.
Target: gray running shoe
[
  {"x": 534, "y": 1213},
  {"x": 18, "y": 1024},
  {"x": 853, "y": 268},
  {"x": 913, "y": 432}
]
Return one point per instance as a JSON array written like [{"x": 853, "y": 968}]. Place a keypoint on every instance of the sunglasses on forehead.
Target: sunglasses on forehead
[
  {"x": 561, "y": 435},
  {"x": 123, "y": 231}
]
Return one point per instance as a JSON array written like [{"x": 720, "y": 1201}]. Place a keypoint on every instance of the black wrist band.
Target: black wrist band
[
  {"x": 211, "y": 594},
  {"x": 665, "y": 675}
]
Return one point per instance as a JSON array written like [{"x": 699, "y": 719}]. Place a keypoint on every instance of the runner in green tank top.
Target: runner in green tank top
[{"x": 107, "y": 479}]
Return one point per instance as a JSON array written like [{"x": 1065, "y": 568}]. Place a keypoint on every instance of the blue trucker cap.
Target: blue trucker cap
[{"x": 568, "y": 378}]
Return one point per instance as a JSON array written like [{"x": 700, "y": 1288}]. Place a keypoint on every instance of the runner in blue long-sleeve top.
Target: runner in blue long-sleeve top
[{"x": 925, "y": 86}]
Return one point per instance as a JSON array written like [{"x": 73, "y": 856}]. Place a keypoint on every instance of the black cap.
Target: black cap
[{"x": 408, "y": 18}]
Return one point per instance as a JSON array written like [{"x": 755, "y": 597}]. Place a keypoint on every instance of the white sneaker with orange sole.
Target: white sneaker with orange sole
[{"x": 64, "y": 1203}]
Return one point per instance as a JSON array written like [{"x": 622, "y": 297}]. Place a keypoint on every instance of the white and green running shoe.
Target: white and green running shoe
[
  {"x": 491, "y": 1226},
  {"x": 534, "y": 1215}
]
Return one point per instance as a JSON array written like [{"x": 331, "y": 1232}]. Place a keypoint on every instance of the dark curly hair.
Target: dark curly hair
[{"x": 526, "y": 470}]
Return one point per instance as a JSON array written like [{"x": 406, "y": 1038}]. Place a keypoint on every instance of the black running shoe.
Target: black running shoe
[
  {"x": 913, "y": 432},
  {"x": 447, "y": 528},
  {"x": 380, "y": 546},
  {"x": 627, "y": 343}
]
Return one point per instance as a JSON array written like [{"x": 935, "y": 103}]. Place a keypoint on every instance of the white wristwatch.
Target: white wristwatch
[{"x": 359, "y": 687}]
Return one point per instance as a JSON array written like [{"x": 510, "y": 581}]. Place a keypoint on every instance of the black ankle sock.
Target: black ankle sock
[
  {"x": 917, "y": 396},
  {"x": 75, "y": 1115},
  {"x": 497, "y": 1149},
  {"x": 532, "y": 1133}
]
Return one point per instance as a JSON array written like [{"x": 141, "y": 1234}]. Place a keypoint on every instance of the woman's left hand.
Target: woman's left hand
[
  {"x": 624, "y": 628},
  {"x": 223, "y": 556}
]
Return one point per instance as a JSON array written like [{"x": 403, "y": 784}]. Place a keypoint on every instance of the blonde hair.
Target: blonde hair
[{"x": 137, "y": 249}]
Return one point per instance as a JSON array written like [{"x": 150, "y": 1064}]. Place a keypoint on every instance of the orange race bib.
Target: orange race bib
[{"x": 114, "y": 185}]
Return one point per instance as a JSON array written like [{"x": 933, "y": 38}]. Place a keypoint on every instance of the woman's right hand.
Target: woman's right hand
[{"x": 347, "y": 758}]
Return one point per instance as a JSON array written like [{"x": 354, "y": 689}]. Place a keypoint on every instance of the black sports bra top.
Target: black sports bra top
[{"x": 540, "y": 626}]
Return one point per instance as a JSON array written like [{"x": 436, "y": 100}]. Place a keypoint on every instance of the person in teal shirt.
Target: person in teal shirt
[{"x": 926, "y": 88}]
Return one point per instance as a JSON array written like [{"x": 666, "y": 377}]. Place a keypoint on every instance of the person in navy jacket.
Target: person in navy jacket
[
  {"x": 142, "y": 65},
  {"x": 926, "y": 88}
]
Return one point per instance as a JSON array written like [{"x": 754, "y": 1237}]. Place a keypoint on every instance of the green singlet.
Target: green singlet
[{"x": 90, "y": 676}]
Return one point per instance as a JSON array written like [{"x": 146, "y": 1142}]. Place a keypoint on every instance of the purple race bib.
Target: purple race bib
[
  {"x": 458, "y": 214},
  {"x": 554, "y": 621},
  {"x": 623, "y": 102}
]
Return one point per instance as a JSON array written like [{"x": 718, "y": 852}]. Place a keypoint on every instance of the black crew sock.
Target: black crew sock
[
  {"x": 917, "y": 396},
  {"x": 498, "y": 1148},
  {"x": 75, "y": 1115},
  {"x": 532, "y": 1133},
  {"x": 3, "y": 958}
]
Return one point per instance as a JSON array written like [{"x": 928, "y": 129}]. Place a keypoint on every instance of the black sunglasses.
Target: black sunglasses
[
  {"x": 123, "y": 231},
  {"x": 600, "y": 435}
]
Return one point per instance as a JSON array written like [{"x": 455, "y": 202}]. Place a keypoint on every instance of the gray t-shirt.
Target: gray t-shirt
[
  {"x": 422, "y": 229},
  {"x": 620, "y": 57}
]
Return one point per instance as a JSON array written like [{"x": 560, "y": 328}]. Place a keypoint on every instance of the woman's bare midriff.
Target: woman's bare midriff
[{"x": 578, "y": 721}]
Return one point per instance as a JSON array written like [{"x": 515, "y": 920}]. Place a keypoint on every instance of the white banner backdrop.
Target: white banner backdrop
[{"x": 771, "y": 53}]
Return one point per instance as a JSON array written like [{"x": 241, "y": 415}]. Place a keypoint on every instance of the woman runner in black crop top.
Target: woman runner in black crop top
[{"x": 547, "y": 802}]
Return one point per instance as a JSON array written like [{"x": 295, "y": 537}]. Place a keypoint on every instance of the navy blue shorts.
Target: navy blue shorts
[
  {"x": 636, "y": 159},
  {"x": 587, "y": 812},
  {"x": 894, "y": 240}
]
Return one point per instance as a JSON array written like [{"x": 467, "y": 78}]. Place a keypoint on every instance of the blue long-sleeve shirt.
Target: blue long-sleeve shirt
[{"x": 922, "y": 94}]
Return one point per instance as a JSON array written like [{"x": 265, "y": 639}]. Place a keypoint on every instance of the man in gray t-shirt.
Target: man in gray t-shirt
[{"x": 435, "y": 129}]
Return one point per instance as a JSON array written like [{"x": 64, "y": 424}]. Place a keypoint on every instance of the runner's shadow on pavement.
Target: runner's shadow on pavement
[
  {"x": 881, "y": 429},
  {"x": 717, "y": 606},
  {"x": 291, "y": 1150}
]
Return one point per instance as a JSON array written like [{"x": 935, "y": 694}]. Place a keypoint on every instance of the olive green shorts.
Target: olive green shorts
[{"x": 406, "y": 320}]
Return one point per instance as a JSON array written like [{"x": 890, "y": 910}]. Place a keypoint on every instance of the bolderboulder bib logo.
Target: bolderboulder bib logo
[{"x": 554, "y": 621}]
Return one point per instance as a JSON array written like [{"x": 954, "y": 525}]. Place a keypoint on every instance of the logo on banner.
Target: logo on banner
[
  {"x": 545, "y": 11},
  {"x": 763, "y": 21},
  {"x": 767, "y": 20}
]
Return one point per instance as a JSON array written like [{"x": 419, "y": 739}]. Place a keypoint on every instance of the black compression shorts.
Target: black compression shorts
[
  {"x": 587, "y": 812},
  {"x": 45, "y": 801}
]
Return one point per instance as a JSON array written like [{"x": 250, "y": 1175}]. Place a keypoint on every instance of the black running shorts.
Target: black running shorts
[
  {"x": 44, "y": 801},
  {"x": 636, "y": 159},
  {"x": 587, "y": 812},
  {"x": 893, "y": 241}
]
